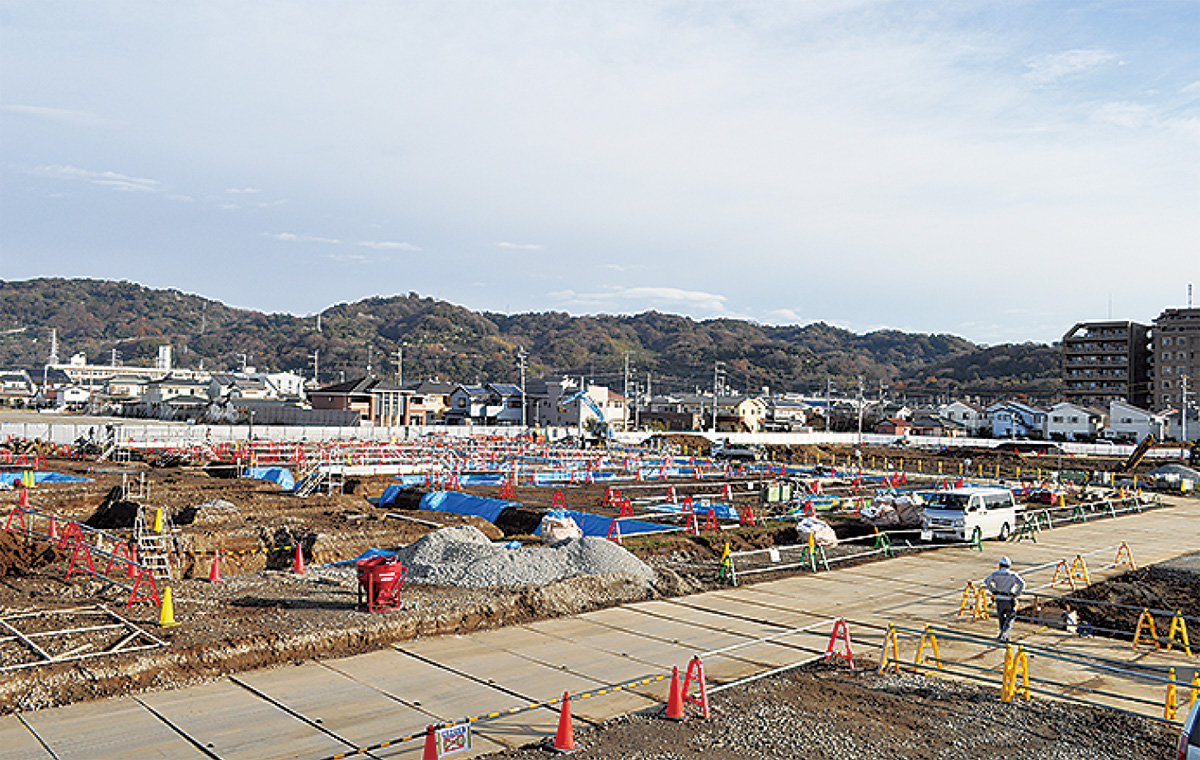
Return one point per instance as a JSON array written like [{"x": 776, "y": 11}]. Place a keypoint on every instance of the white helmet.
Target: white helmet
[{"x": 1005, "y": 562}]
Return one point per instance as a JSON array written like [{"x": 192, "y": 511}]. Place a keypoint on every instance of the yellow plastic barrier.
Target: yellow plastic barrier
[
  {"x": 968, "y": 598},
  {"x": 937, "y": 656},
  {"x": 1124, "y": 557},
  {"x": 1146, "y": 622},
  {"x": 1171, "y": 703},
  {"x": 890, "y": 657},
  {"x": 1067, "y": 578},
  {"x": 1195, "y": 691},
  {"x": 1178, "y": 626},
  {"x": 981, "y": 605},
  {"x": 1015, "y": 665},
  {"x": 1079, "y": 570}
]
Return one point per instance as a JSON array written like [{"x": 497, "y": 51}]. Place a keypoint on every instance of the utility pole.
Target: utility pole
[
  {"x": 316, "y": 357},
  {"x": 521, "y": 354},
  {"x": 370, "y": 352},
  {"x": 400, "y": 363},
  {"x": 1183, "y": 404},
  {"x": 860, "y": 409},
  {"x": 625, "y": 392},
  {"x": 718, "y": 379},
  {"x": 828, "y": 404}
]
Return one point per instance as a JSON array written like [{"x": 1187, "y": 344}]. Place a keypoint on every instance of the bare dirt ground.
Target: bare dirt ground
[
  {"x": 264, "y": 613},
  {"x": 828, "y": 712}
]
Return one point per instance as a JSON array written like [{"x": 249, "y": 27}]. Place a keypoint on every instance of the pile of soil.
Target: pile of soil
[
  {"x": 827, "y": 712},
  {"x": 1173, "y": 587},
  {"x": 113, "y": 512},
  {"x": 20, "y": 555}
]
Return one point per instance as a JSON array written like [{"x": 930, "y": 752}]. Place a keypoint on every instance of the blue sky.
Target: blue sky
[{"x": 996, "y": 170}]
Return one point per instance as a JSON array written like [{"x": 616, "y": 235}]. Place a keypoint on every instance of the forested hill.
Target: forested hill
[{"x": 441, "y": 339}]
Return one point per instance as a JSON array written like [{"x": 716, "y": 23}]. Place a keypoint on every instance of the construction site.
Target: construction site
[{"x": 470, "y": 595}]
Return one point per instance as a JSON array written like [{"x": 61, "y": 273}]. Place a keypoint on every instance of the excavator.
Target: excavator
[
  {"x": 1138, "y": 454},
  {"x": 603, "y": 429}
]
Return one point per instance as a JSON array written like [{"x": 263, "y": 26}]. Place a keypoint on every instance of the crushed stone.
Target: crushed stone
[{"x": 463, "y": 556}]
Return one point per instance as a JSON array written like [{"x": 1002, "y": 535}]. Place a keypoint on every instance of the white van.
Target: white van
[{"x": 959, "y": 514}]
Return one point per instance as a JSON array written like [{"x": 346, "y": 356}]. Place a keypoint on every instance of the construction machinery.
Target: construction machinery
[
  {"x": 603, "y": 429},
  {"x": 1138, "y": 454}
]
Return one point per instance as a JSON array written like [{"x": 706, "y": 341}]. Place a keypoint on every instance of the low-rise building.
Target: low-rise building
[
  {"x": 1128, "y": 423},
  {"x": 972, "y": 417},
  {"x": 1015, "y": 419},
  {"x": 1074, "y": 422}
]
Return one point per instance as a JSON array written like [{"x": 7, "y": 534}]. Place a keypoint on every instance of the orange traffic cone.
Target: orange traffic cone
[
  {"x": 564, "y": 740},
  {"x": 53, "y": 528},
  {"x": 298, "y": 566},
  {"x": 675, "y": 709},
  {"x": 23, "y": 497},
  {"x": 214, "y": 572},
  {"x": 430, "y": 752}
]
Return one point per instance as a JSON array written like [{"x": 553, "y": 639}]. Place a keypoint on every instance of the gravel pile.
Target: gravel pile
[{"x": 463, "y": 556}]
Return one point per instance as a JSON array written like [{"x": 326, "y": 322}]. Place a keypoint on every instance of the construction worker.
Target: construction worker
[{"x": 1005, "y": 586}]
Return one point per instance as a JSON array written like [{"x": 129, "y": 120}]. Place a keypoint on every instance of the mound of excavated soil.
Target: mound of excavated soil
[{"x": 20, "y": 555}]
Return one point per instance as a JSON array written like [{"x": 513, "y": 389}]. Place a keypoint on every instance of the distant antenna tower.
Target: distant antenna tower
[
  {"x": 318, "y": 323},
  {"x": 54, "y": 345},
  {"x": 1189, "y": 295}
]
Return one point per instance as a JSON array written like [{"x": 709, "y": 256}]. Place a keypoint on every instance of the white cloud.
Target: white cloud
[
  {"x": 1051, "y": 68},
  {"x": 112, "y": 180},
  {"x": 62, "y": 115},
  {"x": 291, "y": 237},
  {"x": 521, "y": 246},
  {"x": 642, "y": 298},
  {"x": 384, "y": 245},
  {"x": 243, "y": 190}
]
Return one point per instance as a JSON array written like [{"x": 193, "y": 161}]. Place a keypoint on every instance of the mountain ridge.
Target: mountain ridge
[{"x": 453, "y": 342}]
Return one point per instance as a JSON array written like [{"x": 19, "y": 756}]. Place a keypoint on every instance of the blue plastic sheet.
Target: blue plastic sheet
[
  {"x": 600, "y": 525},
  {"x": 41, "y": 476},
  {"x": 464, "y": 504},
  {"x": 280, "y": 475},
  {"x": 726, "y": 511},
  {"x": 368, "y": 554}
]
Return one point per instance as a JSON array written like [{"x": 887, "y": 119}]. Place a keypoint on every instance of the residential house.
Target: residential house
[
  {"x": 971, "y": 416},
  {"x": 1014, "y": 419},
  {"x": 1067, "y": 421},
  {"x": 894, "y": 426},
  {"x": 170, "y": 387},
  {"x": 17, "y": 389},
  {"x": 378, "y": 402},
  {"x": 1128, "y": 423},
  {"x": 786, "y": 414},
  {"x": 70, "y": 398},
  {"x": 125, "y": 389},
  {"x": 490, "y": 404},
  {"x": 928, "y": 423},
  {"x": 426, "y": 404}
]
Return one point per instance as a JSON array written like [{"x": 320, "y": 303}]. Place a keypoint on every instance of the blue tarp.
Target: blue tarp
[
  {"x": 8, "y": 476},
  {"x": 280, "y": 475},
  {"x": 726, "y": 511},
  {"x": 463, "y": 504},
  {"x": 600, "y": 525},
  {"x": 368, "y": 554}
]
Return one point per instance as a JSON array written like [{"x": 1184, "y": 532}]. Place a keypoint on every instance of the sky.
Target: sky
[{"x": 993, "y": 170}]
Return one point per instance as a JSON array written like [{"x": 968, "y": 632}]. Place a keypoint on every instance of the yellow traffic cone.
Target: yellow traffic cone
[
  {"x": 158, "y": 521},
  {"x": 166, "y": 617}
]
